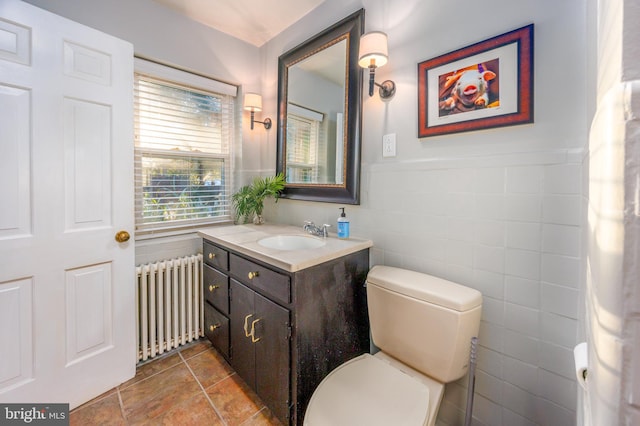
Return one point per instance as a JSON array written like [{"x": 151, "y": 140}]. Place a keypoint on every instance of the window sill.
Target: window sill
[{"x": 152, "y": 234}]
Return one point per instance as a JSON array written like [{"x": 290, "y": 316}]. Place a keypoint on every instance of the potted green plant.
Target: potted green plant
[{"x": 248, "y": 202}]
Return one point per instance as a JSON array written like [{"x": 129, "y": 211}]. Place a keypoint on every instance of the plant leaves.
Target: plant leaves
[{"x": 249, "y": 200}]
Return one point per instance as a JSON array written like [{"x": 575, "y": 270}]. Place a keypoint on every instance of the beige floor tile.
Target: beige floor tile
[
  {"x": 157, "y": 394},
  {"x": 234, "y": 400},
  {"x": 196, "y": 410},
  {"x": 153, "y": 367},
  {"x": 209, "y": 367},
  {"x": 165, "y": 392},
  {"x": 105, "y": 411},
  {"x": 195, "y": 348}
]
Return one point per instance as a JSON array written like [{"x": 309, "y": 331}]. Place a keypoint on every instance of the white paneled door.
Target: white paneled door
[{"x": 67, "y": 297}]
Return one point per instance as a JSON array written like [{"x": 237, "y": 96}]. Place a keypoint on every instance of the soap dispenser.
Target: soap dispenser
[{"x": 343, "y": 225}]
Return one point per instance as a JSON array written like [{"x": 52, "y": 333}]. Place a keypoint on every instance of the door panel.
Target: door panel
[
  {"x": 89, "y": 311},
  {"x": 15, "y": 159},
  {"x": 16, "y": 46},
  {"x": 87, "y": 64},
  {"x": 272, "y": 355},
  {"x": 87, "y": 136},
  {"x": 15, "y": 317},
  {"x": 66, "y": 164},
  {"x": 242, "y": 351}
]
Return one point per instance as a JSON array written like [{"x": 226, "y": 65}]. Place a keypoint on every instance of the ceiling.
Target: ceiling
[{"x": 255, "y": 22}]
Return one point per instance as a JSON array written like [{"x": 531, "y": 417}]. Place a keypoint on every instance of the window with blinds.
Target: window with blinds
[
  {"x": 183, "y": 139},
  {"x": 302, "y": 149}
]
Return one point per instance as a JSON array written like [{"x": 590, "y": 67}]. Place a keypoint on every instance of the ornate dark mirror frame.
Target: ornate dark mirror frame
[{"x": 348, "y": 192}]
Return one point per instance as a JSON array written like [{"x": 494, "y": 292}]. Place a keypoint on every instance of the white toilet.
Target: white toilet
[{"x": 423, "y": 326}]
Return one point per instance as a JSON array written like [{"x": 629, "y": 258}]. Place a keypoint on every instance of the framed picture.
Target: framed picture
[{"x": 488, "y": 84}]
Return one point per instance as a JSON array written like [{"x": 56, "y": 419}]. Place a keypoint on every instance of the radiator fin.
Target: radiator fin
[{"x": 170, "y": 305}]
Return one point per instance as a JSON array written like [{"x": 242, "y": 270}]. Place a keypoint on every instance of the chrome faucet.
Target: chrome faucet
[{"x": 320, "y": 231}]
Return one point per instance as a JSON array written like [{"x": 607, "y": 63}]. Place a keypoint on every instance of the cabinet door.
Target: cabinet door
[
  {"x": 242, "y": 314},
  {"x": 260, "y": 346},
  {"x": 272, "y": 355}
]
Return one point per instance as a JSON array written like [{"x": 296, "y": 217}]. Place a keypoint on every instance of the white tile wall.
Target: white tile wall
[
  {"x": 523, "y": 263},
  {"x": 489, "y": 385},
  {"x": 486, "y": 412},
  {"x": 560, "y": 300},
  {"x": 522, "y": 291},
  {"x": 511, "y": 231},
  {"x": 522, "y": 320},
  {"x": 558, "y": 329},
  {"x": 558, "y": 389},
  {"x": 526, "y": 179},
  {"x": 561, "y": 209},
  {"x": 523, "y": 375},
  {"x": 561, "y": 270},
  {"x": 512, "y": 419},
  {"x": 561, "y": 239},
  {"x": 524, "y": 235},
  {"x": 491, "y": 362},
  {"x": 521, "y": 402},
  {"x": 521, "y": 346}
]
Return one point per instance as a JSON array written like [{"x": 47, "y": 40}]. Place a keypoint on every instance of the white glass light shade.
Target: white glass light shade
[
  {"x": 373, "y": 46},
  {"x": 252, "y": 102}
]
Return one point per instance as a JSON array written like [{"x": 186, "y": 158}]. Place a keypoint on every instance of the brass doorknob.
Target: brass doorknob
[{"x": 122, "y": 236}]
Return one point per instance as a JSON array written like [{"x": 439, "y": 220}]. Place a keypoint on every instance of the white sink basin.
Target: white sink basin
[{"x": 291, "y": 242}]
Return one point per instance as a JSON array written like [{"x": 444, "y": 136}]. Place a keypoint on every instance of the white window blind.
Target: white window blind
[
  {"x": 183, "y": 139},
  {"x": 302, "y": 149}
]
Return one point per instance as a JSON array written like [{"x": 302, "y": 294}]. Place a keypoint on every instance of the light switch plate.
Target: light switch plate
[{"x": 389, "y": 145}]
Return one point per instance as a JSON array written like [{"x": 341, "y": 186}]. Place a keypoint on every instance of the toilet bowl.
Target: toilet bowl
[
  {"x": 423, "y": 326},
  {"x": 394, "y": 394}
]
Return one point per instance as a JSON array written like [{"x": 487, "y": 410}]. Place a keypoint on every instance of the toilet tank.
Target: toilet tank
[{"x": 423, "y": 321}]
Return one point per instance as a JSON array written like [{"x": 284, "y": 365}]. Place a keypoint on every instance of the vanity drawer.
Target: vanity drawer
[
  {"x": 216, "y": 288},
  {"x": 216, "y": 328},
  {"x": 215, "y": 256},
  {"x": 271, "y": 283}
]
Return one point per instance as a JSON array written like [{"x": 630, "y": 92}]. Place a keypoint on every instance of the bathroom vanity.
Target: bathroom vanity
[{"x": 284, "y": 308}]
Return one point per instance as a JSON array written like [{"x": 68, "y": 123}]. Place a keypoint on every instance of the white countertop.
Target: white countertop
[{"x": 244, "y": 239}]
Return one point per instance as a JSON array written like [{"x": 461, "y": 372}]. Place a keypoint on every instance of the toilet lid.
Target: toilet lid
[{"x": 368, "y": 391}]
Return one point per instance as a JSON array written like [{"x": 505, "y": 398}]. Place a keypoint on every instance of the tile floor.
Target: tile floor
[{"x": 191, "y": 386}]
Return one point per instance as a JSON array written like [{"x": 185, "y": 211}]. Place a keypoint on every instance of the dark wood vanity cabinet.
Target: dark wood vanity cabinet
[
  {"x": 260, "y": 333},
  {"x": 281, "y": 331}
]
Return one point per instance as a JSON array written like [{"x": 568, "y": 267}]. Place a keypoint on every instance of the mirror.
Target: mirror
[{"x": 319, "y": 115}]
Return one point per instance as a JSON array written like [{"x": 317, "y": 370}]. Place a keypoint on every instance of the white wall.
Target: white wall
[
  {"x": 160, "y": 34},
  {"x": 498, "y": 210}
]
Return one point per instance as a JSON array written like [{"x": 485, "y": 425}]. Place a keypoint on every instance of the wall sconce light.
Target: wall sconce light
[
  {"x": 253, "y": 103},
  {"x": 374, "y": 54}
]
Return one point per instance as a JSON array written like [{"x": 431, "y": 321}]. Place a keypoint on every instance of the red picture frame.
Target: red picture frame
[{"x": 488, "y": 84}]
